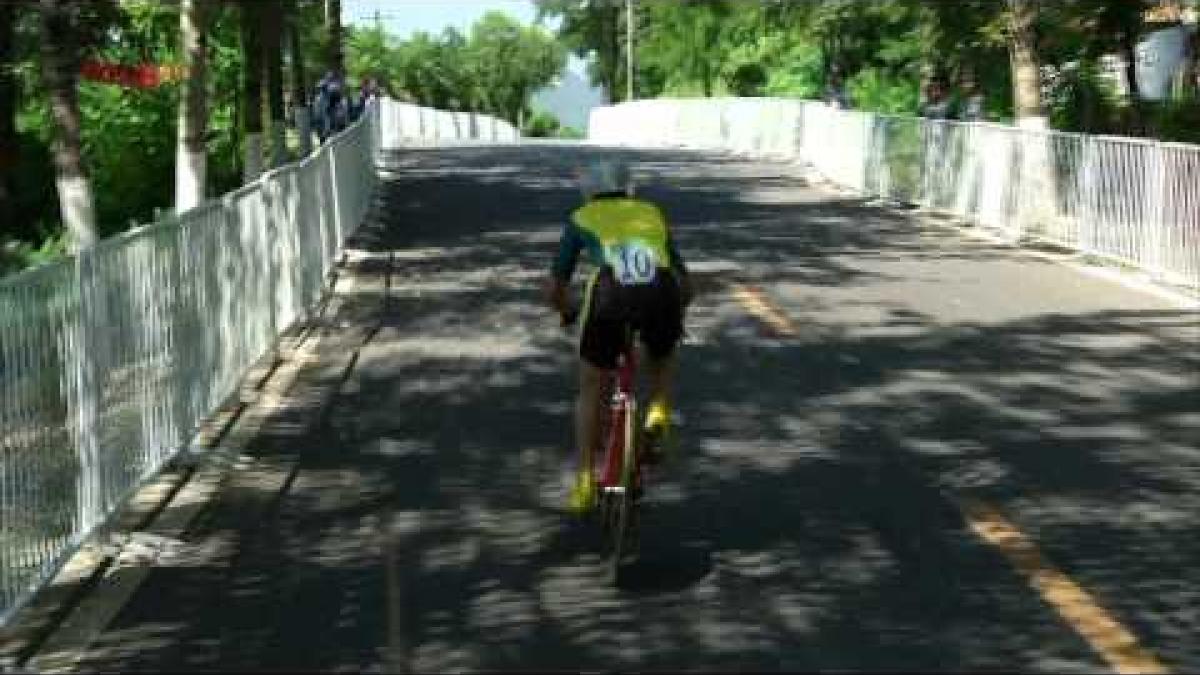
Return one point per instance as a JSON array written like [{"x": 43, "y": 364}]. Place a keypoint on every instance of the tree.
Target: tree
[
  {"x": 67, "y": 28},
  {"x": 8, "y": 102},
  {"x": 191, "y": 157},
  {"x": 686, "y": 40},
  {"x": 513, "y": 62},
  {"x": 1115, "y": 26},
  {"x": 369, "y": 53},
  {"x": 272, "y": 43},
  {"x": 438, "y": 72},
  {"x": 591, "y": 27},
  {"x": 335, "y": 59},
  {"x": 299, "y": 78},
  {"x": 1022, "y": 41},
  {"x": 252, "y": 108}
]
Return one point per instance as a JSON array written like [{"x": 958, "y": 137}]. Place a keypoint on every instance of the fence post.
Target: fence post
[
  {"x": 1155, "y": 217},
  {"x": 86, "y": 392}
]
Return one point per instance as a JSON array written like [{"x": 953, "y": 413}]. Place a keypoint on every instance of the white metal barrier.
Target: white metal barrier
[
  {"x": 407, "y": 124},
  {"x": 109, "y": 361},
  {"x": 1125, "y": 199}
]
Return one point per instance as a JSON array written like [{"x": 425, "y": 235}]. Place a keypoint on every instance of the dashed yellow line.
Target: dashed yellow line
[
  {"x": 758, "y": 305},
  {"x": 1104, "y": 633},
  {"x": 1107, "y": 636}
]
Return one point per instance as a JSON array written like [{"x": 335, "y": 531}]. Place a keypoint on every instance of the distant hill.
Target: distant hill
[{"x": 570, "y": 99}]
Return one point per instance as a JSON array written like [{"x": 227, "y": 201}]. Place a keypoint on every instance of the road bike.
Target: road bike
[{"x": 622, "y": 474}]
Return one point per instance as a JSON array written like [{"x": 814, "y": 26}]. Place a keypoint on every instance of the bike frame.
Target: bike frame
[
  {"x": 622, "y": 466},
  {"x": 621, "y": 445}
]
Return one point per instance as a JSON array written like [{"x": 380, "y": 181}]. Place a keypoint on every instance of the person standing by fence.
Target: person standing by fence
[
  {"x": 368, "y": 91},
  {"x": 330, "y": 105},
  {"x": 971, "y": 109}
]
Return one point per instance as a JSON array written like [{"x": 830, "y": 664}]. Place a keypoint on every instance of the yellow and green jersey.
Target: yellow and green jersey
[{"x": 629, "y": 234}]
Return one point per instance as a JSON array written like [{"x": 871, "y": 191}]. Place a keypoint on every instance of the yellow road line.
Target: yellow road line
[
  {"x": 1111, "y": 640},
  {"x": 754, "y": 301},
  {"x": 1103, "y": 632}
]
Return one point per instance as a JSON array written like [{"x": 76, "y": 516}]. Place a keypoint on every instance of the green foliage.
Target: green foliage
[
  {"x": 17, "y": 254},
  {"x": 494, "y": 70},
  {"x": 510, "y": 62},
  {"x": 368, "y": 54},
  {"x": 796, "y": 70},
  {"x": 1083, "y": 98},
  {"x": 570, "y": 133},
  {"x": 877, "y": 90},
  {"x": 596, "y": 29},
  {"x": 1176, "y": 120},
  {"x": 130, "y": 180},
  {"x": 225, "y": 64},
  {"x": 684, "y": 40},
  {"x": 542, "y": 125}
]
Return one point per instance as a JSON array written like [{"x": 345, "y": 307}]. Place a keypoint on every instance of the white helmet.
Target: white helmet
[{"x": 604, "y": 177}]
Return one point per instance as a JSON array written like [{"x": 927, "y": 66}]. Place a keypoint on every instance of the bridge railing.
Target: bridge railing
[
  {"x": 1124, "y": 199},
  {"x": 110, "y": 360}
]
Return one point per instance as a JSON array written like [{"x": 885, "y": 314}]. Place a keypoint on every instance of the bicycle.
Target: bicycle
[{"x": 623, "y": 460}]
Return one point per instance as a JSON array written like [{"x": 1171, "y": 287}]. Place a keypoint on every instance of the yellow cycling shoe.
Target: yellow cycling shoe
[
  {"x": 583, "y": 493},
  {"x": 656, "y": 432}
]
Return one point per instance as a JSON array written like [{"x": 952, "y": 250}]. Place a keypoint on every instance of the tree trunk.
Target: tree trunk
[
  {"x": 8, "y": 106},
  {"x": 60, "y": 68},
  {"x": 273, "y": 64},
  {"x": 333, "y": 24},
  {"x": 610, "y": 61},
  {"x": 1129, "y": 53},
  {"x": 191, "y": 155},
  {"x": 1022, "y": 45},
  {"x": 299, "y": 81},
  {"x": 252, "y": 111}
]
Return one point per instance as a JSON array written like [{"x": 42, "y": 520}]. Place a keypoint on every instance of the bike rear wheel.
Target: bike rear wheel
[{"x": 623, "y": 506}]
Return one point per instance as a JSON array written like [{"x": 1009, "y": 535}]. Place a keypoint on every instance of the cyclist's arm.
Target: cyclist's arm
[
  {"x": 570, "y": 243},
  {"x": 679, "y": 269}
]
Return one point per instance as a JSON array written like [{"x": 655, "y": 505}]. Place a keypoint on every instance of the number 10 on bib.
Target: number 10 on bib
[{"x": 633, "y": 262}]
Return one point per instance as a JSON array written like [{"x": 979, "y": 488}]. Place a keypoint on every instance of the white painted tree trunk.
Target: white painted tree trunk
[
  {"x": 1023, "y": 57},
  {"x": 190, "y": 171},
  {"x": 78, "y": 210},
  {"x": 253, "y": 164},
  {"x": 59, "y": 47},
  {"x": 190, "y": 160},
  {"x": 1037, "y": 204}
]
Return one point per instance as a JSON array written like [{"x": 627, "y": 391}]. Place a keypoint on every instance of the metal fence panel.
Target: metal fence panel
[
  {"x": 109, "y": 361},
  {"x": 1125, "y": 199}
]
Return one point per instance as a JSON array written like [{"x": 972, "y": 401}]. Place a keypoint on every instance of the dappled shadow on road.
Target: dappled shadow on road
[{"x": 812, "y": 522}]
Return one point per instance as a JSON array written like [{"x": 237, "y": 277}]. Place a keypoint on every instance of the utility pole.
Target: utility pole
[{"x": 629, "y": 49}]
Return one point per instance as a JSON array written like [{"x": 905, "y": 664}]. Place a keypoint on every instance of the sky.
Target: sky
[{"x": 404, "y": 17}]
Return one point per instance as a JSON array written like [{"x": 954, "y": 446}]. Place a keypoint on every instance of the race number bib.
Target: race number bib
[{"x": 633, "y": 262}]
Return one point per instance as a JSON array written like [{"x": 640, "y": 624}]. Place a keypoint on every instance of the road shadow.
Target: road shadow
[{"x": 812, "y": 521}]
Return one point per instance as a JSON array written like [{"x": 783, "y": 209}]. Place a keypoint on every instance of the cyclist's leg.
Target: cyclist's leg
[
  {"x": 589, "y": 406},
  {"x": 599, "y": 345},
  {"x": 661, "y": 372},
  {"x": 661, "y": 319}
]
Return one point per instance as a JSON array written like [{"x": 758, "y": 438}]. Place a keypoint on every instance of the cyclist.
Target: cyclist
[{"x": 640, "y": 282}]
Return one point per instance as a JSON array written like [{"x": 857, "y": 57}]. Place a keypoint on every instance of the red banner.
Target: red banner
[{"x": 146, "y": 76}]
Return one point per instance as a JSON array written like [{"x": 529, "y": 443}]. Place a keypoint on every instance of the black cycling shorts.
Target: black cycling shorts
[{"x": 653, "y": 309}]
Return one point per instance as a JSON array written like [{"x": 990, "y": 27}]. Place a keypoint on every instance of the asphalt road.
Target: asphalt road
[{"x": 821, "y": 514}]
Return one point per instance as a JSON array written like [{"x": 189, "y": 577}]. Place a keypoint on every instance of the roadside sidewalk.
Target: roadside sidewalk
[{"x": 284, "y": 396}]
